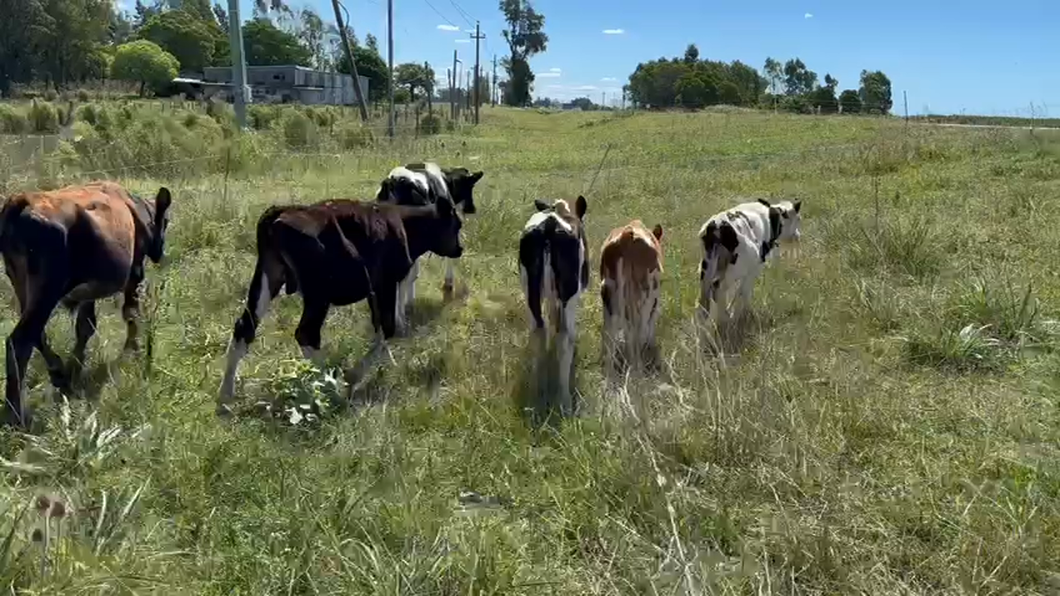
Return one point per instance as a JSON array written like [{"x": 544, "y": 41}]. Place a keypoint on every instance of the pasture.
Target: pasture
[{"x": 888, "y": 425}]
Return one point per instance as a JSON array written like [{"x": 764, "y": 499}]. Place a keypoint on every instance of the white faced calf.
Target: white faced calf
[
  {"x": 631, "y": 266},
  {"x": 736, "y": 244},
  {"x": 554, "y": 264}
]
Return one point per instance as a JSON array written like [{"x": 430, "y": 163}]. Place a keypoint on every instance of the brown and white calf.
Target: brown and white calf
[
  {"x": 554, "y": 264},
  {"x": 336, "y": 253},
  {"x": 423, "y": 184},
  {"x": 73, "y": 246},
  {"x": 736, "y": 244},
  {"x": 631, "y": 267}
]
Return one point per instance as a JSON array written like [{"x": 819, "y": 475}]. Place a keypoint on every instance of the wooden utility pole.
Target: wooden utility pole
[
  {"x": 430, "y": 86},
  {"x": 349, "y": 56},
  {"x": 905, "y": 100},
  {"x": 390, "y": 60},
  {"x": 453, "y": 106},
  {"x": 477, "y": 36},
  {"x": 239, "y": 67},
  {"x": 493, "y": 88}
]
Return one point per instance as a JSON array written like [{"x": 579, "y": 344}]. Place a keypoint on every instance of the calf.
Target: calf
[
  {"x": 423, "y": 184},
  {"x": 554, "y": 262},
  {"x": 74, "y": 246},
  {"x": 631, "y": 266},
  {"x": 736, "y": 244},
  {"x": 336, "y": 253}
]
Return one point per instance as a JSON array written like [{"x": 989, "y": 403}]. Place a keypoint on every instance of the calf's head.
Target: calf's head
[
  {"x": 445, "y": 230},
  {"x": 462, "y": 186},
  {"x": 784, "y": 220},
  {"x": 159, "y": 223}
]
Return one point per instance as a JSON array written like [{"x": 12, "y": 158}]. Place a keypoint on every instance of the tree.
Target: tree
[
  {"x": 370, "y": 66},
  {"x": 798, "y": 80},
  {"x": 412, "y": 75},
  {"x": 70, "y": 32},
  {"x": 192, "y": 39},
  {"x": 691, "y": 54},
  {"x": 372, "y": 43},
  {"x": 265, "y": 45},
  {"x": 875, "y": 92},
  {"x": 312, "y": 34},
  {"x": 144, "y": 13},
  {"x": 729, "y": 94},
  {"x": 748, "y": 82},
  {"x": 774, "y": 72},
  {"x": 850, "y": 101},
  {"x": 831, "y": 82},
  {"x": 18, "y": 30},
  {"x": 221, "y": 15},
  {"x": 525, "y": 37},
  {"x": 824, "y": 98},
  {"x": 144, "y": 62},
  {"x": 584, "y": 103}
]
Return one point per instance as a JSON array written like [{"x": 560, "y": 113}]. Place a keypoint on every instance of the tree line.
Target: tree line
[
  {"x": 64, "y": 43},
  {"x": 694, "y": 83}
]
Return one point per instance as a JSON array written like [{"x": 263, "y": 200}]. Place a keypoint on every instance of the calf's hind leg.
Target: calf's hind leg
[
  {"x": 130, "y": 309},
  {"x": 264, "y": 287},
  {"x": 84, "y": 329}
]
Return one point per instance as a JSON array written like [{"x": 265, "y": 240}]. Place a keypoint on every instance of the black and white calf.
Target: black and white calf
[
  {"x": 554, "y": 265},
  {"x": 424, "y": 184},
  {"x": 736, "y": 244}
]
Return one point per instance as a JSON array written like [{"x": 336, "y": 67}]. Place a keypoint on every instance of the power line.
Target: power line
[
  {"x": 463, "y": 13},
  {"x": 439, "y": 13}
]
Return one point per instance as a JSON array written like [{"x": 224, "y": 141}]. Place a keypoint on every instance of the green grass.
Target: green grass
[{"x": 859, "y": 442}]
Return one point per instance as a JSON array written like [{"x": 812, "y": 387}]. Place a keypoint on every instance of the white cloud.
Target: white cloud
[
  {"x": 614, "y": 31},
  {"x": 469, "y": 30},
  {"x": 585, "y": 88},
  {"x": 608, "y": 80},
  {"x": 463, "y": 41},
  {"x": 555, "y": 70},
  {"x": 448, "y": 28},
  {"x": 547, "y": 75},
  {"x": 808, "y": 15}
]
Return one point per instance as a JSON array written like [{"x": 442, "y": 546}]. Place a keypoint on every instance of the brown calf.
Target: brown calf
[
  {"x": 74, "y": 246},
  {"x": 631, "y": 266},
  {"x": 336, "y": 253}
]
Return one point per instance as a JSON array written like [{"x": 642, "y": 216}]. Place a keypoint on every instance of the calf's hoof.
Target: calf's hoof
[
  {"x": 131, "y": 346},
  {"x": 223, "y": 411}
]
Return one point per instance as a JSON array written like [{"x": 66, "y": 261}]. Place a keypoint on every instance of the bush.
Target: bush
[
  {"x": 50, "y": 95},
  {"x": 431, "y": 124},
  {"x": 12, "y": 121},
  {"x": 43, "y": 118},
  {"x": 299, "y": 131},
  {"x": 354, "y": 136},
  {"x": 263, "y": 117},
  {"x": 82, "y": 95}
]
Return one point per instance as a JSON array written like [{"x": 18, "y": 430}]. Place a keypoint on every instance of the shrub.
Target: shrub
[
  {"x": 299, "y": 131},
  {"x": 43, "y": 118},
  {"x": 262, "y": 117},
  {"x": 431, "y": 124},
  {"x": 12, "y": 121},
  {"x": 50, "y": 95},
  {"x": 354, "y": 136},
  {"x": 82, "y": 95}
]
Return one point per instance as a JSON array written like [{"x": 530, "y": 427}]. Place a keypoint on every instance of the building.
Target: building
[{"x": 279, "y": 84}]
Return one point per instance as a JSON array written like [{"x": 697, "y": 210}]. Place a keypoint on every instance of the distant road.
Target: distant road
[{"x": 1012, "y": 126}]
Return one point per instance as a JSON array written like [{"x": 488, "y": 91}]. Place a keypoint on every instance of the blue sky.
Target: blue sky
[{"x": 971, "y": 56}]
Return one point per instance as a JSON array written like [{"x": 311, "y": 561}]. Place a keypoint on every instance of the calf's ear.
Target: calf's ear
[
  {"x": 580, "y": 206},
  {"x": 541, "y": 205},
  {"x": 763, "y": 202},
  {"x": 798, "y": 205},
  {"x": 657, "y": 231},
  {"x": 476, "y": 177}
]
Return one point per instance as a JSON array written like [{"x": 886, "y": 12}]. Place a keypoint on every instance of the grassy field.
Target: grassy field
[{"x": 890, "y": 424}]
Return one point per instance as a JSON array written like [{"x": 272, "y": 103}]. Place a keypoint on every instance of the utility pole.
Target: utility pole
[
  {"x": 239, "y": 67},
  {"x": 430, "y": 86},
  {"x": 905, "y": 100},
  {"x": 477, "y": 36},
  {"x": 456, "y": 85},
  {"x": 493, "y": 88},
  {"x": 346, "y": 46},
  {"x": 390, "y": 61}
]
